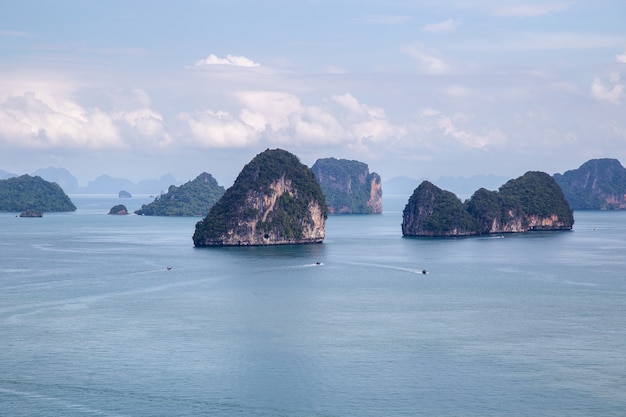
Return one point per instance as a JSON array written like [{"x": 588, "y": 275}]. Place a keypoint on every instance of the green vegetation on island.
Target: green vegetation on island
[
  {"x": 348, "y": 186},
  {"x": 119, "y": 209},
  {"x": 432, "y": 211},
  {"x": 533, "y": 201},
  {"x": 598, "y": 184},
  {"x": 19, "y": 194},
  {"x": 194, "y": 198},
  {"x": 269, "y": 203}
]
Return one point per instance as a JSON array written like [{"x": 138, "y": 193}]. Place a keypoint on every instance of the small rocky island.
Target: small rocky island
[
  {"x": 31, "y": 213},
  {"x": 275, "y": 200},
  {"x": 24, "y": 193},
  {"x": 124, "y": 194},
  {"x": 349, "y": 187},
  {"x": 598, "y": 184},
  {"x": 533, "y": 201},
  {"x": 118, "y": 210},
  {"x": 194, "y": 198}
]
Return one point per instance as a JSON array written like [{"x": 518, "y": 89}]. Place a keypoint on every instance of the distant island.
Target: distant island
[
  {"x": 533, "y": 201},
  {"x": 124, "y": 194},
  {"x": 194, "y": 198},
  {"x": 349, "y": 187},
  {"x": 31, "y": 213},
  {"x": 19, "y": 194},
  {"x": 598, "y": 184},
  {"x": 275, "y": 200},
  {"x": 118, "y": 210}
]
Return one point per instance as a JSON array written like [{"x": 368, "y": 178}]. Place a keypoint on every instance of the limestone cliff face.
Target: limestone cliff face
[
  {"x": 274, "y": 201},
  {"x": 349, "y": 187},
  {"x": 252, "y": 230},
  {"x": 533, "y": 201},
  {"x": 598, "y": 184},
  {"x": 433, "y": 212}
]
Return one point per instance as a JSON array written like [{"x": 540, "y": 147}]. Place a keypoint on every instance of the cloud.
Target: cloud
[
  {"x": 428, "y": 60},
  {"x": 621, "y": 58},
  {"x": 540, "y": 41},
  {"x": 456, "y": 127},
  {"x": 234, "y": 60},
  {"x": 219, "y": 129},
  {"x": 53, "y": 119},
  {"x": 449, "y": 25},
  {"x": 613, "y": 94},
  {"x": 279, "y": 118},
  {"x": 529, "y": 9},
  {"x": 29, "y": 121}
]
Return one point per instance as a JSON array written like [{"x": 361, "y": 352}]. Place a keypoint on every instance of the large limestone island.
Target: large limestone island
[
  {"x": 194, "y": 198},
  {"x": 275, "y": 200},
  {"x": 598, "y": 184},
  {"x": 24, "y": 193},
  {"x": 533, "y": 201},
  {"x": 349, "y": 187}
]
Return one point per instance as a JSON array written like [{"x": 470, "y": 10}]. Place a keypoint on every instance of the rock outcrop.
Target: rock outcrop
[
  {"x": 124, "y": 194},
  {"x": 598, "y": 184},
  {"x": 119, "y": 210},
  {"x": 275, "y": 200},
  {"x": 194, "y": 198},
  {"x": 31, "y": 213},
  {"x": 434, "y": 212},
  {"x": 533, "y": 201},
  {"x": 349, "y": 187}
]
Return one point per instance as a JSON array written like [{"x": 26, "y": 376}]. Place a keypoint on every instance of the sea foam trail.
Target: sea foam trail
[{"x": 397, "y": 268}]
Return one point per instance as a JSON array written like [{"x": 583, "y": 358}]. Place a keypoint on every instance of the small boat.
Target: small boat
[{"x": 169, "y": 268}]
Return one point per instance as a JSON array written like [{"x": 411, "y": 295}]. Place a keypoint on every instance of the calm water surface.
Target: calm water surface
[{"x": 92, "y": 322}]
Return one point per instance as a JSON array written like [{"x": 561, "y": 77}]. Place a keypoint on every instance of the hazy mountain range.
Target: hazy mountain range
[{"x": 104, "y": 184}]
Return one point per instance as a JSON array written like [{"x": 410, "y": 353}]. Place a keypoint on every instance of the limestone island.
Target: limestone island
[
  {"x": 194, "y": 198},
  {"x": 598, "y": 184},
  {"x": 533, "y": 201},
  {"x": 118, "y": 210},
  {"x": 23, "y": 193},
  {"x": 348, "y": 186},
  {"x": 124, "y": 194},
  {"x": 275, "y": 200}
]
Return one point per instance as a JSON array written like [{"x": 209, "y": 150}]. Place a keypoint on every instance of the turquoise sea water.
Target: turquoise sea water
[{"x": 92, "y": 322}]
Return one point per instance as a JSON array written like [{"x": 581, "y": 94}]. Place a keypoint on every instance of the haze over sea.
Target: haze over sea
[{"x": 93, "y": 323}]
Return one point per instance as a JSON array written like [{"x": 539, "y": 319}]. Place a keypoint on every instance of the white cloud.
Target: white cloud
[
  {"x": 278, "y": 118},
  {"x": 529, "y": 9},
  {"x": 449, "y": 25},
  {"x": 428, "y": 60},
  {"x": 218, "y": 130},
  {"x": 458, "y": 128},
  {"x": 30, "y": 121},
  {"x": 238, "y": 61},
  {"x": 621, "y": 58},
  {"x": 51, "y": 118},
  {"x": 613, "y": 94}
]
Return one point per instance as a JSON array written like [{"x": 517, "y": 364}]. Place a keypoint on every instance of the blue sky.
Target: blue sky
[{"x": 137, "y": 89}]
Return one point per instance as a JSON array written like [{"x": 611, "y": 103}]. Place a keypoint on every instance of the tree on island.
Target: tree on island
[{"x": 25, "y": 192}]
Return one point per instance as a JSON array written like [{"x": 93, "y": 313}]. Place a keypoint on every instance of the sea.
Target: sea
[{"x": 105, "y": 315}]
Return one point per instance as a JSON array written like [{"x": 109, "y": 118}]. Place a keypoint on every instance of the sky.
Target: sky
[{"x": 423, "y": 89}]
